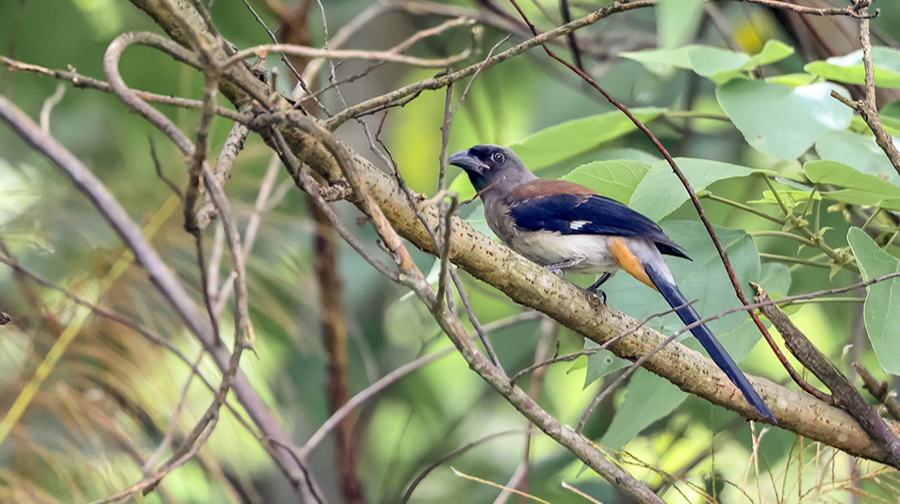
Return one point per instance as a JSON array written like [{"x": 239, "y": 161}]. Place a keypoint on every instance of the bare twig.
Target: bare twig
[
  {"x": 49, "y": 103},
  {"x": 442, "y": 81},
  {"x": 879, "y": 390},
  {"x": 83, "y": 81},
  {"x": 388, "y": 56},
  {"x": 450, "y": 456}
]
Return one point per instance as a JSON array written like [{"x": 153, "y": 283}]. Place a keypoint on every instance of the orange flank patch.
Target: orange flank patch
[{"x": 629, "y": 262}]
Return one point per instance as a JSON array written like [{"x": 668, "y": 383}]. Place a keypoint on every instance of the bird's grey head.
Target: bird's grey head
[{"x": 492, "y": 168}]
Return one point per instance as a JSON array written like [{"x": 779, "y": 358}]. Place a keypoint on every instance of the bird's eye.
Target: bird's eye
[{"x": 498, "y": 157}]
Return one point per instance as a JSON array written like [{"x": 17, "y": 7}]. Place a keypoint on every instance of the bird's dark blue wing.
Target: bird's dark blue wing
[{"x": 588, "y": 214}]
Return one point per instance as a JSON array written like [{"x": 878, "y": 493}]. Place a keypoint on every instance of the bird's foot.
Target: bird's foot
[
  {"x": 599, "y": 293},
  {"x": 595, "y": 287},
  {"x": 560, "y": 267}
]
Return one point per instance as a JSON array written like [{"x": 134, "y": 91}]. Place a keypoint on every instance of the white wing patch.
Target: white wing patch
[{"x": 575, "y": 225}]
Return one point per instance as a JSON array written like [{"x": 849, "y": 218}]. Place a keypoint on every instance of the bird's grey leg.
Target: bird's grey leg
[
  {"x": 559, "y": 268},
  {"x": 595, "y": 287}
]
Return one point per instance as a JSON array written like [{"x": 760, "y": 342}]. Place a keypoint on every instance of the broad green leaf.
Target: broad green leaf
[
  {"x": 462, "y": 186},
  {"x": 775, "y": 277},
  {"x": 782, "y": 120},
  {"x": 860, "y": 188},
  {"x": 704, "y": 279},
  {"x": 710, "y": 61},
  {"x": 773, "y": 51},
  {"x": 859, "y": 151},
  {"x": 660, "y": 192},
  {"x": 657, "y": 59},
  {"x": 648, "y": 399},
  {"x": 601, "y": 364},
  {"x": 614, "y": 179},
  {"x": 794, "y": 79},
  {"x": 677, "y": 21},
  {"x": 566, "y": 140},
  {"x": 849, "y": 68},
  {"x": 882, "y": 306}
]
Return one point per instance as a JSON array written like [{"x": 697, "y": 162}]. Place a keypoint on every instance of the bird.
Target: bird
[{"x": 564, "y": 226}]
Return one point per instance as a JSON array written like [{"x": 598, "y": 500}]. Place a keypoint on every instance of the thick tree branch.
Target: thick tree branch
[{"x": 844, "y": 393}]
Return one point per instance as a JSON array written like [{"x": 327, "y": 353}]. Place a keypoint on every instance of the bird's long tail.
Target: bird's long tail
[{"x": 706, "y": 338}]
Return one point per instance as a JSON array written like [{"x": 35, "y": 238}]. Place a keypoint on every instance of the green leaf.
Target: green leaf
[
  {"x": 566, "y": 140},
  {"x": 648, "y": 399},
  {"x": 462, "y": 186},
  {"x": 772, "y": 52},
  {"x": 614, "y": 179},
  {"x": 677, "y": 21},
  {"x": 860, "y": 188},
  {"x": 858, "y": 151},
  {"x": 660, "y": 192},
  {"x": 704, "y": 279},
  {"x": 881, "y": 310},
  {"x": 708, "y": 61},
  {"x": 794, "y": 79},
  {"x": 782, "y": 120},
  {"x": 775, "y": 277},
  {"x": 850, "y": 69},
  {"x": 601, "y": 364}
]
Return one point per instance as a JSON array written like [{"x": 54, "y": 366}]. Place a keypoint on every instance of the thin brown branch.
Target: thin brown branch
[
  {"x": 850, "y": 11},
  {"x": 82, "y": 81},
  {"x": 868, "y": 107},
  {"x": 442, "y": 81},
  {"x": 387, "y": 56},
  {"x": 879, "y": 391}
]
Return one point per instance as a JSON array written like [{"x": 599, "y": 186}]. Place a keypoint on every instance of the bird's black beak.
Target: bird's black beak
[{"x": 467, "y": 162}]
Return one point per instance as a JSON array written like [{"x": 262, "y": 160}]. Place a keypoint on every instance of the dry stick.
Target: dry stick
[
  {"x": 388, "y": 56},
  {"x": 450, "y": 456},
  {"x": 82, "y": 81},
  {"x": 844, "y": 393},
  {"x": 696, "y": 202},
  {"x": 850, "y": 10},
  {"x": 227, "y": 156},
  {"x": 879, "y": 390},
  {"x": 49, "y": 103},
  {"x": 442, "y": 81}
]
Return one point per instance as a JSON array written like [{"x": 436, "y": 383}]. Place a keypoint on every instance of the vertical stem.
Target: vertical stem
[{"x": 334, "y": 334}]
